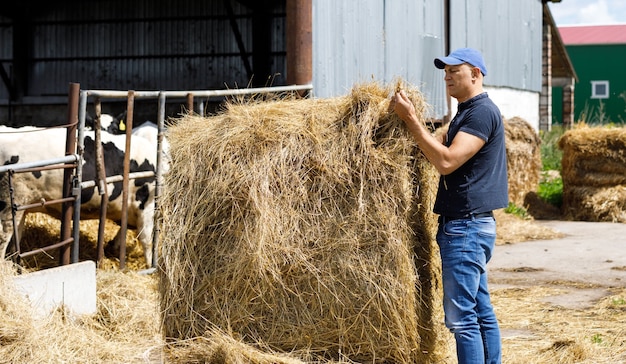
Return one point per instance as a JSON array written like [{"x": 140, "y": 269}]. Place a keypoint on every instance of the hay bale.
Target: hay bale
[
  {"x": 297, "y": 225},
  {"x": 523, "y": 154},
  {"x": 594, "y": 174}
]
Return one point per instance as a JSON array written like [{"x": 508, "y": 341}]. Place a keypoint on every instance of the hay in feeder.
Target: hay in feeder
[
  {"x": 41, "y": 230},
  {"x": 594, "y": 174},
  {"x": 299, "y": 225},
  {"x": 523, "y": 154}
]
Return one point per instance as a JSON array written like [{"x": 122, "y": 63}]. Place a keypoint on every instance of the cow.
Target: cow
[
  {"x": 147, "y": 130},
  {"x": 116, "y": 125},
  {"x": 109, "y": 123},
  {"x": 26, "y": 144}
]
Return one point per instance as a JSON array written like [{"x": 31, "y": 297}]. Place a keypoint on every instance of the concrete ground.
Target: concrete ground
[{"x": 588, "y": 260}]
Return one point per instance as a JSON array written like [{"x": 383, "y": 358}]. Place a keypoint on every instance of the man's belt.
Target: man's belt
[{"x": 469, "y": 216}]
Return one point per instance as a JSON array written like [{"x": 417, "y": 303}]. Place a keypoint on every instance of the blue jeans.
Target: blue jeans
[{"x": 465, "y": 246}]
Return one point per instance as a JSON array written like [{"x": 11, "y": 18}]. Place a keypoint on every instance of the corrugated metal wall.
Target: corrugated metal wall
[
  {"x": 147, "y": 45},
  {"x": 6, "y": 52},
  {"x": 509, "y": 35},
  {"x": 383, "y": 39},
  {"x": 379, "y": 40}
]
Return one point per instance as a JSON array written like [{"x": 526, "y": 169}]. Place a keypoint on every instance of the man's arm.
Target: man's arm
[{"x": 445, "y": 159}]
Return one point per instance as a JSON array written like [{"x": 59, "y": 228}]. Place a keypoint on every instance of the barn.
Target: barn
[
  {"x": 601, "y": 91},
  {"x": 194, "y": 45}
]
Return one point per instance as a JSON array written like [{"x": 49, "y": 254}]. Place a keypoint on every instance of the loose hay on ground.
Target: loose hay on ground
[
  {"x": 513, "y": 229},
  {"x": 553, "y": 334},
  {"x": 594, "y": 173},
  {"x": 124, "y": 327},
  {"x": 293, "y": 225}
]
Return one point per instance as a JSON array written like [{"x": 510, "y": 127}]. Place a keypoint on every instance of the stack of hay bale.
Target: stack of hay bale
[
  {"x": 523, "y": 152},
  {"x": 594, "y": 174},
  {"x": 302, "y": 227}
]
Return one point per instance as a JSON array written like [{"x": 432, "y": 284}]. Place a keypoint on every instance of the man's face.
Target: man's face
[{"x": 459, "y": 80}]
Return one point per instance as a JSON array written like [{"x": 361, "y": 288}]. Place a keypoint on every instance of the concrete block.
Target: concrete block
[{"x": 72, "y": 286}]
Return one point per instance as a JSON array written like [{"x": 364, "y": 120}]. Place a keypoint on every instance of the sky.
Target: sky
[{"x": 588, "y": 12}]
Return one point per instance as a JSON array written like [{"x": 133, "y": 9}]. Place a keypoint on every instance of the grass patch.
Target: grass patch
[
  {"x": 618, "y": 301},
  {"x": 551, "y": 190},
  {"x": 597, "y": 339},
  {"x": 551, "y": 155},
  {"x": 517, "y": 211},
  {"x": 550, "y": 185}
]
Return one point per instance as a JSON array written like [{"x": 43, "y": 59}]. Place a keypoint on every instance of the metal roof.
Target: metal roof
[{"x": 593, "y": 34}]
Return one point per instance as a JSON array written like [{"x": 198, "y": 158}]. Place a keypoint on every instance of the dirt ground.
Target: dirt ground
[
  {"x": 562, "y": 300},
  {"x": 589, "y": 254}
]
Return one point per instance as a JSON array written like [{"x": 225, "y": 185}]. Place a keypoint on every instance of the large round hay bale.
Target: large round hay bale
[
  {"x": 303, "y": 226},
  {"x": 523, "y": 152},
  {"x": 594, "y": 173}
]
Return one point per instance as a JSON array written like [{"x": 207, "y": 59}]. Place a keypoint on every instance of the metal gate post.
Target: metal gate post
[
  {"x": 80, "y": 149},
  {"x": 101, "y": 176},
  {"x": 70, "y": 148},
  {"x": 156, "y": 231},
  {"x": 190, "y": 103},
  {"x": 124, "y": 221},
  {"x": 16, "y": 233}
]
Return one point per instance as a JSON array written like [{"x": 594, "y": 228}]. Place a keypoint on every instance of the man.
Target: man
[{"x": 471, "y": 158}]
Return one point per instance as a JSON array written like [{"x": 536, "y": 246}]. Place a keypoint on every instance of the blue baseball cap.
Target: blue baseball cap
[{"x": 460, "y": 56}]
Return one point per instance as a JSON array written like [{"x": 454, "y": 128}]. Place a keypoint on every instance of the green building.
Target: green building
[{"x": 598, "y": 54}]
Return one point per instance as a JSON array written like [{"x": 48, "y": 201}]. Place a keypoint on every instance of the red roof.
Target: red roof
[{"x": 593, "y": 34}]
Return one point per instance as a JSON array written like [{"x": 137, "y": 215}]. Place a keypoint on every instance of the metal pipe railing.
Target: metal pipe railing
[
  {"x": 77, "y": 106},
  {"x": 20, "y": 167},
  {"x": 199, "y": 93}
]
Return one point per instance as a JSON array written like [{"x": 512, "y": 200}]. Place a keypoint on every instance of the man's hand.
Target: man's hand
[{"x": 402, "y": 106}]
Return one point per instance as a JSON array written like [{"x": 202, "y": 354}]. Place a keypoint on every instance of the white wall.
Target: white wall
[{"x": 523, "y": 104}]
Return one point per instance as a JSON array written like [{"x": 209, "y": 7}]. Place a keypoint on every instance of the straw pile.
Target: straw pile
[
  {"x": 298, "y": 226},
  {"x": 123, "y": 330},
  {"x": 523, "y": 158},
  {"x": 594, "y": 174}
]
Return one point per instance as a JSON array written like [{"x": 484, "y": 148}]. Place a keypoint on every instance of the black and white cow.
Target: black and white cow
[
  {"x": 109, "y": 123},
  {"x": 116, "y": 125},
  {"x": 18, "y": 145}
]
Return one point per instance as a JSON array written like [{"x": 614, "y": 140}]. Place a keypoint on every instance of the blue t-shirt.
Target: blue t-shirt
[{"x": 480, "y": 184}]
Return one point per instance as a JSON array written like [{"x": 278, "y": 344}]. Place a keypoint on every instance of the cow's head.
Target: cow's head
[{"x": 109, "y": 123}]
